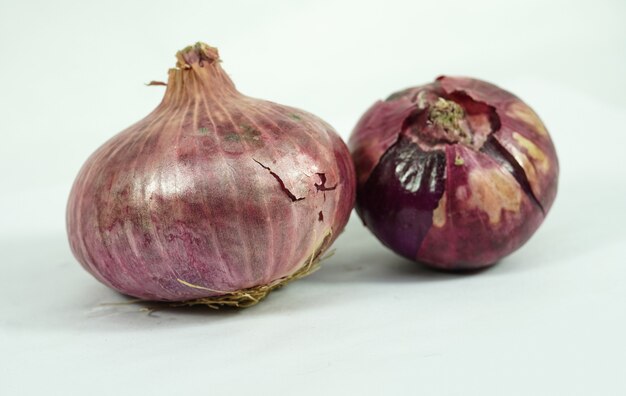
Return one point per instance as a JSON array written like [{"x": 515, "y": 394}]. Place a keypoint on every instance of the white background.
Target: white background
[{"x": 548, "y": 320}]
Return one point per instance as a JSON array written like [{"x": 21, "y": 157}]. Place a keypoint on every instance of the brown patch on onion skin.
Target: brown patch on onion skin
[
  {"x": 493, "y": 191},
  {"x": 508, "y": 162},
  {"x": 521, "y": 111},
  {"x": 529, "y": 168},
  {"x": 539, "y": 158},
  {"x": 440, "y": 213}
]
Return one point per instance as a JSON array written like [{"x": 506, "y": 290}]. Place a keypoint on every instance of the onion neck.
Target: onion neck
[
  {"x": 198, "y": 74},
  {"x": 448, "y": 122}
]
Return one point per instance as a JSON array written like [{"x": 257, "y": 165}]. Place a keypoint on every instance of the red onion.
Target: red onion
[
  {"x": 214, "y": 197},
  {"x": 457, "y": 173}
]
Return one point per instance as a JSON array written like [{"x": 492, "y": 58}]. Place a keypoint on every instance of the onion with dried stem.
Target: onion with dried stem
[
  {"x": 457, "y": 173},
  {"x": 214, "y": 197}
]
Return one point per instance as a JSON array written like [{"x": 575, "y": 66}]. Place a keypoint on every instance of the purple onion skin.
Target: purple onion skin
[
  {"x": 214, "y": 188},
  {"x": 456, "y": 174}
]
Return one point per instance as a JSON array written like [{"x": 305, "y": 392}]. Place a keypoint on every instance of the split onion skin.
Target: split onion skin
[
  {"x": 456, "y": 174},
  {"x": 211, "y": 194}
]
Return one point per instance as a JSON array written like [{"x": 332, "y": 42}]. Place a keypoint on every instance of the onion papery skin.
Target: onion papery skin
[
  {"x": 456, "y": 174},
  {"x": 211, "y": 194}
]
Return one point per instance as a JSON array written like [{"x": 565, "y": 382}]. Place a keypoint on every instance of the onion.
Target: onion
[
  {"x": 214, "y": 198},
  {"x": 457, "y": 173}
]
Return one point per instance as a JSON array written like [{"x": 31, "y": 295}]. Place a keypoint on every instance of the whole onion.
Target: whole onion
[
  {"x": 457, "y": 173},
  {"x": 214, "y": 197}
]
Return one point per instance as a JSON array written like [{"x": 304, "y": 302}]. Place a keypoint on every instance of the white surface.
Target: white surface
[{"x": 548, "y": 320}]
